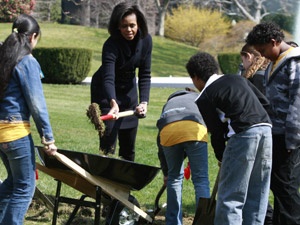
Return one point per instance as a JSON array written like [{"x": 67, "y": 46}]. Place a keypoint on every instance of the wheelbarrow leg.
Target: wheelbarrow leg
[
  {"x": 40, "y": 196},
  {"x": 75, "y": 210},
  {"x": 98, "y": 205},
  {"x": 56, "y": 202}
]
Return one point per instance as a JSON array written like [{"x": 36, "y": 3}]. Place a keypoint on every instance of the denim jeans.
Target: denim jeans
[
  {"x": 196, "y": 152},
  {"x": 17, "y": 189},
  {"x": 244, "y": 181}
]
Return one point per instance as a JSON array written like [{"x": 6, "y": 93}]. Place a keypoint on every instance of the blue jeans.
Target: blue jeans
[
  {"x": 197, "y": 154},
  {"x": 244, "y": 181},
  {"x": 17, "y": 189}
]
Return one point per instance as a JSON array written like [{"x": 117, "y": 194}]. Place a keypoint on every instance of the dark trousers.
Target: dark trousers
[
  {"x": 269, "y": 215},
  {"x": 285, "y": 183},
  {"x": 126, "y": 139}
]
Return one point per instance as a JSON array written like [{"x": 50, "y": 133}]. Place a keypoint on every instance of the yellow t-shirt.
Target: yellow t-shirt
[
  {"x": 13, "y": 131},
  {"x": 182, "y": 131}
]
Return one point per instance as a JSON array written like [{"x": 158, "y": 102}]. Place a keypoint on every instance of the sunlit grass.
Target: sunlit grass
[
  {"x": 67, "y": 105},
  {"x": 168, "y": 58}
]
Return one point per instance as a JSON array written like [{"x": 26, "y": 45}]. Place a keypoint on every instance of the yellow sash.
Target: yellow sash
[
  {"x": 182, "y": 131},
  {"x": 13, "y": 131}
]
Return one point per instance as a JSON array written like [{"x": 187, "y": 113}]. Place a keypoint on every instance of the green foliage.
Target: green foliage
[
  {"x": 286, "y": 22},
  {"x": 10, "y": 9},
  {"x": 192, "y": 26},
  {"x": 229, "y": 62},
  {"x": 64, "y": 65},
  {"x": 49, "y": 11},
  {"x": 56, "y": 11}
]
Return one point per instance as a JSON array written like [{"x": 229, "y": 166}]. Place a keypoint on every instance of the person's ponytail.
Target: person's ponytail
[{"x": 15, "y": 47}]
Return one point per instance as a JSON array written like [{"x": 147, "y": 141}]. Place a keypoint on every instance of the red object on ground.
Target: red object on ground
[
  {"x": 187, "y": 171},
  {"x": 36, "y": 175}
]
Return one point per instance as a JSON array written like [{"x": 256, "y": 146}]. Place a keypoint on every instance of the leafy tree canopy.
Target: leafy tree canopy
[{"x": 10, "y": 9}]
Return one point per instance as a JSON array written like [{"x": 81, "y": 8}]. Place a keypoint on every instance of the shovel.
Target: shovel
[{"x": 205, "y": 213}]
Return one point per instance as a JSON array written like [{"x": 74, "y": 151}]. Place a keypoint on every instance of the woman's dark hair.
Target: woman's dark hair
[
  {"x": 202, "y": 65},
  {"x": 263, "y": 33},
  {"x": 15, "y": 47},
  {"x": 122, "y": 10}
]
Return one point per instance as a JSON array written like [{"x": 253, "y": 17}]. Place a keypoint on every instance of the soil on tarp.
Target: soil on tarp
[{"x": 39, "y": 214}]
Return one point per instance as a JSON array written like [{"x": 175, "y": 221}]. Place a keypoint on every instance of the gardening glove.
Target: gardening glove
[{"x": 187, "y": 171}]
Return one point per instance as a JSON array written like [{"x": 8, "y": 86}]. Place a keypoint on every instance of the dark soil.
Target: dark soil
[{"x": 39, "y": 214}]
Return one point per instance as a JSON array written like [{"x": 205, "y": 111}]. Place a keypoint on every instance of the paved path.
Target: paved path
[{"x": 174, "y": 82}]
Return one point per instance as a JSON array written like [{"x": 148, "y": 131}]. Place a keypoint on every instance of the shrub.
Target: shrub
[
  {"x": 192, "y": 25},
  {"x": 229, "y": 62},
  {"x": 286, "y": 22},
  {"x": 64, "y": 65},
  {"x": 10, "y": 9}
]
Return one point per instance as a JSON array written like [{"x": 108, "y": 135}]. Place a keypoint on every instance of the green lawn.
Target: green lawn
[
  {"x": 168, "y": 58},
  {"x": 67, "y": 105}
]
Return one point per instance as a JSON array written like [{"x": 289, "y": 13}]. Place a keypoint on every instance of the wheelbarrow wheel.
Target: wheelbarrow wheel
[{"x": 121, "y": 215}]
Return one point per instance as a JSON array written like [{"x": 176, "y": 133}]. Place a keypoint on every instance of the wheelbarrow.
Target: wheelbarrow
[{"x": 105, "y": 179}]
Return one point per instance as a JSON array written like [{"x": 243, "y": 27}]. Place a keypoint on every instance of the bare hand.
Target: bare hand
[
  {"x": 141, "y": 109},
  {"x": 50, "y": 149},
  {"x": 114, "y": 109}
]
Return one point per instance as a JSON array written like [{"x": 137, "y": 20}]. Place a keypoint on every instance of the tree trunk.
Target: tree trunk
[
  {"x": 86, "y": 13},
  {"x": 162, "y": 10},
  {"x": 161, "y": 24}
]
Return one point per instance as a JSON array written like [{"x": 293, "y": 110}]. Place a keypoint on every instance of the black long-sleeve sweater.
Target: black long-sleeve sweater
[
  {"x": 241, "y": 104},
  {"x": 116, "y": 77}
]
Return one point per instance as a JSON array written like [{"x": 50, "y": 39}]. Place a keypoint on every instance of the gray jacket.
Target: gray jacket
[
  {"x": 283, "y": 92},
  {"x": 180, "y": 106}
]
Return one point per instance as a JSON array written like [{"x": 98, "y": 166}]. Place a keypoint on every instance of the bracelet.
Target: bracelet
[
  {"x": 44, "y": 142},
  {"x": 144, "y": 103}
]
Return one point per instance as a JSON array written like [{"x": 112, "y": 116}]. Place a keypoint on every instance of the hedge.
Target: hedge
[
  {"x": 64, "y": 65},
  {"x": 229, "y": 62}
]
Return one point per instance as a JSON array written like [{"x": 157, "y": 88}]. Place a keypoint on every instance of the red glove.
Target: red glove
[
  {"x": 36, "y": 175},
  {"x": 187, "y": 171}
]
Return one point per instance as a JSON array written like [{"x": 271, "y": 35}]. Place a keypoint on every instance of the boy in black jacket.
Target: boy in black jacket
[{"x": 243, "y": 145}]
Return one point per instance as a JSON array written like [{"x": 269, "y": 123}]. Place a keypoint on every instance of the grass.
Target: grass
[
  {"x": 67, "y": 105},
  {"x": 168, "y": 58}
]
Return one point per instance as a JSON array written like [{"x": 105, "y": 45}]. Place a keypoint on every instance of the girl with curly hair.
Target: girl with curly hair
[{"x": 254, "y": 66}]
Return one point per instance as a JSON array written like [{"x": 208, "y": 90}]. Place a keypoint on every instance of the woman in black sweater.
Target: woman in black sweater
[{"x": 114, "y": 86}]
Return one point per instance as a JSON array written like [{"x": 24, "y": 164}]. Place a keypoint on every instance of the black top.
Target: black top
[
  {"x": 116, "y": 77},
  {"x": 238, "y": 100}
]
